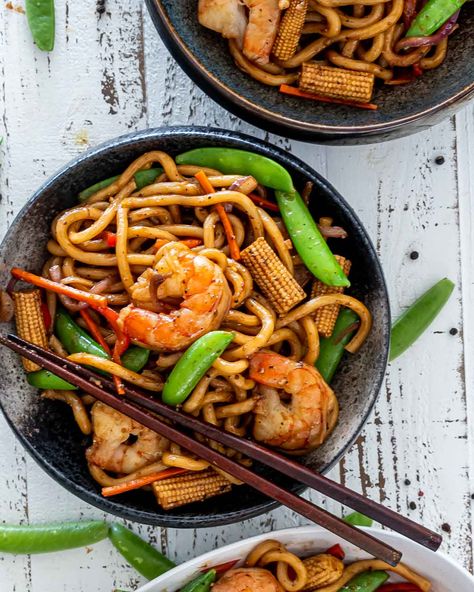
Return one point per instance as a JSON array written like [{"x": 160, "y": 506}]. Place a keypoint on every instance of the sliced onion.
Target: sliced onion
[{"x": 448, "y": 28}]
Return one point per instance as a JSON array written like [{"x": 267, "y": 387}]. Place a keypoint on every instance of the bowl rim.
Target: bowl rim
[
  {"x": 260, "y": 116},
  {"x": 245, "y": 142},
  {"x": 308, "y": 531}
]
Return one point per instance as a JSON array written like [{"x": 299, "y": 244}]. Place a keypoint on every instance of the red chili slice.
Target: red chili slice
[
  {"x": 222, "y": 567},
  {"x": 336, "y": 551},
  {"x": 399, "y": 587}
]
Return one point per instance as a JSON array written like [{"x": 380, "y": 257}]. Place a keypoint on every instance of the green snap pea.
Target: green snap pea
[
  {"x": 142, "y": 556},
  {"x": 76, "y": 340},
  {"x": 44, "y": 380},
  {"x": 331, "y": 349},
  {"x": 40, "y": 16},
  {"x": 202, "y": 583},
  {"x": 142, "y": 179},
  {"x": 417, "y": 318},
  {"x": 193, "y": 364},
  {"x": 432, "y": 16},
  {"x": 368, "y": 581},
  {"x": 232, "y": 161},
  {"x": 308, "y": 241},
  {"x": 358, "y": 519},
  {"x": 51, "y": 537}
]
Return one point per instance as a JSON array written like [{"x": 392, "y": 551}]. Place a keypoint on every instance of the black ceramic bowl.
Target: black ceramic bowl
[
  {"x": 46, "y": 428},
  {"x": 403, "y": 110}
]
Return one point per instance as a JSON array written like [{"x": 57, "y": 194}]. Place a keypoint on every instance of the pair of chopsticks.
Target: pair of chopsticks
[{"x": 141, "y": 407}]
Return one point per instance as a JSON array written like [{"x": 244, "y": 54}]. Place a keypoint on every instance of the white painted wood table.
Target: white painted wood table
[{"x": 110, "y": 74}]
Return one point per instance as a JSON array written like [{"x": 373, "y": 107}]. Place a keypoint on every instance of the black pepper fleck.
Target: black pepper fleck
[
  {"x": 407, "y": 482},
  {"x": 439, "y": 160},
  {"x": 414, "y": 255},
  {"x": 412, "y": 506},
  {"x": 453, "y": 331},
  {"x": 446, "y": 527}
]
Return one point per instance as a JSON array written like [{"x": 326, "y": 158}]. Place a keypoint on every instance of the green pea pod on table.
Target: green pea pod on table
[
  {"x": 232, "y": 161},
  {"x": 368, "y": 581},
  {"x": 51, "y": 537},
  {"x": 417, "y": 318},
  {"x": 141, "y": 555},
  {"x": 142, "y": 179},
  {"x": 193, "y": 364},
  {"x": 358, "y": 519},
  {"x": 201, "y": 583},
  {"x": 432, "y": 16},
  {"x": 331, "y": 349},
  {"x": 76, "y": 340},
  {"x": 308, "y": 240},
  {"x": 40, "y": 16}
]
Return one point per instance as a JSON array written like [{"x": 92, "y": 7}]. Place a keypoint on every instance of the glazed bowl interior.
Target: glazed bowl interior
[
  {"x": 46, "y": 428},
  {"x": 444, "y": 574},
  {"x": 403, "y": 109}
]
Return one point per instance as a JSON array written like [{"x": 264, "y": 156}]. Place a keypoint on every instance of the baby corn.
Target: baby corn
[
  {"x": 322, "y": 570},
  {"x": 325, "y": 317},
  {"x": 272, "y": 277},
  {"x": 289, "y": 31},
  {"x": 192, "y": 487},
  {"x": 30, "y": 322},
  {"x": 337, "y": 83}
]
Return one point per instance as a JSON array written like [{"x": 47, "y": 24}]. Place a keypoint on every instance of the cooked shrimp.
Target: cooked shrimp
[
  {"x": 196, "y": 282},
  {"x": 264, "y": 16},
  {"x": 300, "y": 424},
  {"x": 248, "y": 579},
  {"x": 224, "y": 16},
  {"x": 111, "y": 450}
]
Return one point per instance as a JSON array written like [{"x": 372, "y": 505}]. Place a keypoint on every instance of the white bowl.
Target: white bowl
[{"x": 443, "y": 572}]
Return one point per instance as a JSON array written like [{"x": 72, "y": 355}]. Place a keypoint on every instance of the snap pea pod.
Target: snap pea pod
[
  {"x": 358, "y": 519},
  {"x": 432, "y": 16},
  {"x": 142, "y": 556},
  {"x": 368, "y": 581},
  {"x": 51, "y": 537},
  {"x": 232, "y": 161},
  {"x": 76, "y": 340},
  {"x": 331, "y": 349},
  {"x": 40, "y": 16},
  {"x": 202, "y": 583},
  {"x": 193, "y": 364},
  {"x": 308, "y": 240},
  {"x": 417, "y": 318},
  {"x": 142, "y": 179}
]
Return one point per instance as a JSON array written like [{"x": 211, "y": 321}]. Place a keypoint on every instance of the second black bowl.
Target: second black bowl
[
  {"x": 47, "y": 430},
  {"x": 403, "y": 110}
]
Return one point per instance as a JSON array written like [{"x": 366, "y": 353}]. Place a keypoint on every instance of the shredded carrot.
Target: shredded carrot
[
  {"x": 97, "y": 335},
  {"x": 229, "y": 231},
  {"x": 94, "y": 300},
  {"x": 189, "y": 242},
  {"x": 141, "y": 481},
  {"x": 296, "y": 92},
  {"x": 263, "y": 203}
]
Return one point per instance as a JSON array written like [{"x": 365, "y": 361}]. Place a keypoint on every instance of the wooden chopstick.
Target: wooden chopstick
[{"x": 96, "y": 386}]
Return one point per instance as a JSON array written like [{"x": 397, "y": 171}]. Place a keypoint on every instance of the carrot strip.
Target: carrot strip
[
  {"x": 141, "y": 481},
  {"x": 263, "y": 203},
  {"x": 97, "y": 335},
  {"x": 296, "y": 92},
  {"x": 94, "y": 300},
  {"x": 229, "y": 231},
  {"x": 189, "y": 242}
]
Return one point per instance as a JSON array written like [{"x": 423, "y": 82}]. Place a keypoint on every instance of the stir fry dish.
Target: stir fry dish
[
  {"x": 270, "y": 567},
  {"x": 333, "y": 50},
  {"x": 205, "y": 280}
]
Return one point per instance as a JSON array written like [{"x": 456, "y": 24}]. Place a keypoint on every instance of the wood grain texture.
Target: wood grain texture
[{"x": 110, "y": 74}]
